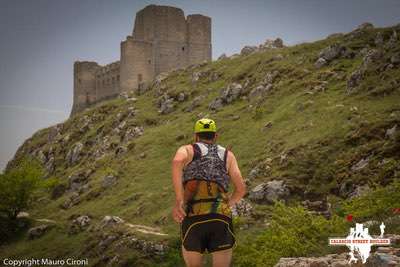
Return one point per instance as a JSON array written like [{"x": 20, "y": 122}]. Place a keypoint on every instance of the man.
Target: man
[{"x": 201, "y": 174}]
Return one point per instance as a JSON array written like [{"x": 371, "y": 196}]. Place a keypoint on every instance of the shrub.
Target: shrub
[
  {"x": 17, "y": 187},
  {"x": 293, "y": 232}
]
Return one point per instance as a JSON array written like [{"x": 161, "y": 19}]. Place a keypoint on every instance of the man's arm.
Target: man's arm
[
  {"x": 178, "y": 163},
  {"x": 237, "y": 180}
]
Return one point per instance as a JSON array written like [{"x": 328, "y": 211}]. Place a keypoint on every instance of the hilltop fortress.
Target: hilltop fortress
[{"x": 163, "y": 39}]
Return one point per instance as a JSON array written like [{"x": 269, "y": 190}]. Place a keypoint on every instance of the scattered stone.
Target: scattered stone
[
  {"x": 107, "y": 241},
  {"x": 254, "y": 173},
  {"x": 242, "y": 208},
  {"x": 73, "y": 200},
  {"x": 223, "y": 56},
  {"x": 259, "y": 92},
  {"x": 395, "y": 59},
  {"x": 142, "y": 155},
  {"x": 359, "y": 191},
  {"x": 38, "y": 231},
  {"x": 216, "y": 104},
  {"x": 110, "y": 220},
  {"x": 390, "y": 133},
  {"x": 332, "y": 52},
  {"x": 109, "y": 181},
  {"x": 235, "y": 117},
  {"x": 195, "y": 103},
  {"x": 54, "y": 133},
  {"x": 231, "y": 93},
  {"x": 379, "y": 39},
  {"x": 269, "y": 192},
  {"x": 321, "y": 62},
  {"x": 354, "y": 80},
  {"x": 181, "y": 97},
  {"x": 247, "y": 50},
  {"x": 360, "y": 165},
  {"x": 167, "y": 106},
  {"x": 74, "y": 154},
  {"x": 272, "y": 44}
]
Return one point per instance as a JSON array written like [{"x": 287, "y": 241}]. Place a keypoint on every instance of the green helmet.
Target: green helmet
[{"x": 205, "y": 125}]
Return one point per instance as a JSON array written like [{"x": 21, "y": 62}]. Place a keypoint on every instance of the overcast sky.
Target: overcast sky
[{"x": 40, "y": 40}]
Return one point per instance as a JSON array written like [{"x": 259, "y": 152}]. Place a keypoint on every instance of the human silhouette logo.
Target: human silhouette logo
[{"x": 359, "y": 241}]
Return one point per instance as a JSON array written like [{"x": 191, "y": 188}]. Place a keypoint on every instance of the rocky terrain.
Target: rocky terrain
[{"x": 314, "y": 126}]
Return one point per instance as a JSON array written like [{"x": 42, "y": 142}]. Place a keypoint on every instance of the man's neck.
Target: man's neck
[{"x": 207, "y": 141}]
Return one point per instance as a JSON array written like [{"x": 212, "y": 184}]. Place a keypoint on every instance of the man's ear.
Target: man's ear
[{"x": 215, "y": 137}]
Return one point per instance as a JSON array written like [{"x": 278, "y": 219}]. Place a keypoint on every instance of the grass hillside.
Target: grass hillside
[{"x": 328, "y": 130}]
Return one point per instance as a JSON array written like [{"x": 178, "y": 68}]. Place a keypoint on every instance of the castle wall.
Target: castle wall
[
  {"x": 107, "y": 81},
  {"x": 137, "y": 64},
  {"x": 84, "y": 84},
  {"x": 199, "y": 38}
]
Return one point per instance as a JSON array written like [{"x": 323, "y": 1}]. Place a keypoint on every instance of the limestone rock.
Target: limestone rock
[
  {"x": 271, "y": 44},
  {"x": 216, "y": 104},
  {"x": 259, "y": 92},
  {"x": 167, "y": 106},
  {"x": 391, "y": 132},
  {"x": 110, "y": 220},
  {"x": 360, "y": 165},
  {"x": 109, "y": 181},
  {"x": 74, "y": 155},
  {"x": 231, "y": 93},
  {"x": 331, "y": 52},
  {"x": 38, "y": 231},
  {"x": 58, "y": 191},
  {"x": 321, "y": 62},
  {"x": 247, "y": 50},
  {"x": 243, "y": 208},
  {"x": 269, "y": 192},
  {"x": 222, "y": 56},
  {"x": 195, "y": 103}
]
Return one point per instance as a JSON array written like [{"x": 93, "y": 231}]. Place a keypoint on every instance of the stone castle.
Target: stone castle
[{"x": 163, "y": 39}]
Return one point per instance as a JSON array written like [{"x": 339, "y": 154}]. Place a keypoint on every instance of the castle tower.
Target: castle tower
[
  {"x": 162, "y": 40},
  {"x": 84, "y": 84}
]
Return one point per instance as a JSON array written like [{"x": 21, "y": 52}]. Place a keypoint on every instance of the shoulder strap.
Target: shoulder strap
[
  {"x": 196, "y": 151},
  {"x": 226, "y": 156}
]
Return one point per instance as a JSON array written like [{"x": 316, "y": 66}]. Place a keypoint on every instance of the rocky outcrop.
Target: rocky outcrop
[
  {"x": 227, "y": 96},
  {"x": 38, "y": 231},
  {"x": 328, "y": 54},
  {"x": 383, "y": 257},
  {"x": 269, "y": 192}
]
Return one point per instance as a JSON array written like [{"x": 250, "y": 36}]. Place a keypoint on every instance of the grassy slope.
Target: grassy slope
[{"x": 301, "y": 122}]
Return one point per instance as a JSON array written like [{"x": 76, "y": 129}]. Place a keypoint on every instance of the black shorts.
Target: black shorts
[{"x": 207, "y": 233}]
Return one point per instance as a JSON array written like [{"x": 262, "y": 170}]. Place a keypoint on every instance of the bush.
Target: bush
[
  {"x": 293, "y": 232},
  {"x": 378, "y": 204},
  {"x": 17, "y": 187}
]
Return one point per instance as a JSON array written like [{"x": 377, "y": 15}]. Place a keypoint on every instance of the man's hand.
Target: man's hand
[{"x": 178, "y": 213}]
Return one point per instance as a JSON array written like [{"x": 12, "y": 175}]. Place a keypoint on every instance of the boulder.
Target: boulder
[
  {"x": 269, "y": 192},
  {"x": 74, "y": 155},
  {"x": 390, "y": 133},
  {"x": 242, "y": 208},
  {"x": 331, "y": 52},
  {"x": 82, "y": 221},
  {"x": 167, "y": 106},
  {"x": 354, "y": 80},
  {"x": 109, "y": 181},
  {"x": 247, "y": 50},
  {"x": 195, "y": 103},
  {"x": 110, "y": 221},
  {"x": 379, "y": 39},
  {"x": 271, "y": 44},
  {"x": 360, "y": 164},
  {"x": 231, "y": 93},
  {"x": 216, "y": 104},
  {"x": 321, "y": 62},
  {"x": 38, "y": 231},
  {"x": 222, "y": 56},
  {"x": 259, "y": 92}
]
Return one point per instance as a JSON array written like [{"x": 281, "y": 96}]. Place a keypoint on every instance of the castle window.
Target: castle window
[
  {"x": 149, "y": 61},
  {"x": 79, "y": 81},
  {"x": 118, "y": 78},
  {"x": 140, "y": 78},
  {"x": 183, "y": 48}
]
